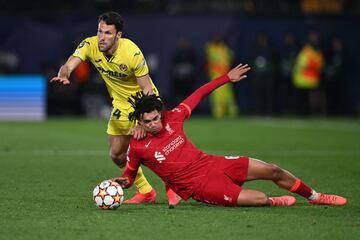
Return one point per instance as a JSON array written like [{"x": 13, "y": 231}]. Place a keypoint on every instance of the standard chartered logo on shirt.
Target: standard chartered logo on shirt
[
  {"x": 174, "y": 144},
  {"x": 159, "y": 156}
]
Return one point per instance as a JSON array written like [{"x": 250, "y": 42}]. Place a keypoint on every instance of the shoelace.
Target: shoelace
[
  {"x": 327, "y": 198},
  {"x": 279, "y": 201}
]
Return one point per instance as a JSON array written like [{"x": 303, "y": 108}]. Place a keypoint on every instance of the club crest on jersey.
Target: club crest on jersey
[
  {"x": 169, "y": 129},
  {"x": 143, "y": 63},
  {"x": 123, "y": 67},
  {"x": 82, "y": 44},
  {"x": 227, "y": 198},
  {"x": 159, "y": 156}
]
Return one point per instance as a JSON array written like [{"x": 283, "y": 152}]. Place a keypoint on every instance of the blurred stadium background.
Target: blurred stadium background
[
  {"x": 36, "y": 37},
  {"x": 49, "y": 168}
]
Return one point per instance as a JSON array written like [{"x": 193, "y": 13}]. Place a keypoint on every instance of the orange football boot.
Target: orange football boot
[
  {"x": 149, "y": 197},
  {"x": 173, "y": 198},
  {"x": 282, "y": 201},
  {"x": 328, "y": 199}
]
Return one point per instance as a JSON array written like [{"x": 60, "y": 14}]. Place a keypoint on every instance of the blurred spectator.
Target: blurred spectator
[
  {"x": 91, "y": 92},
  {"x": 153, "y": 61},
  {"x": 285, "y": 89},
  {"x": 183, "y": 70},
  {"x": 219, "y": 59},
  {"x": 82, "y": 72},
  {"x": 335, "y": 78},
  {"x": 307, "y": 77},
  {"x": 61, "y": 100},
  {"x": 8, "y": 62},
  {"x": 94, "y": 100},
  {"x": 262, "y": 62}
]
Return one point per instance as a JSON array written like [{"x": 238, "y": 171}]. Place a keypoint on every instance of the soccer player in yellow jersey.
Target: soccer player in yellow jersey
[{"x": 125, "y": 72}]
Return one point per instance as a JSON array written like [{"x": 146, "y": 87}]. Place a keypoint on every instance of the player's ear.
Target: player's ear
[{"x": 118, "y": 34}]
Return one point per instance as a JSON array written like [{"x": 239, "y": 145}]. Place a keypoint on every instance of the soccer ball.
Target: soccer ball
[{"x": 108, "y": 195}]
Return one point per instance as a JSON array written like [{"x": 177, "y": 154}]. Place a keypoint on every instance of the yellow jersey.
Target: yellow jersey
[{"x": 119, "y": 70}]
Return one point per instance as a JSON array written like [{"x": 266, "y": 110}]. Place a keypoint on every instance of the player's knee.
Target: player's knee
[{"x": 118, "y": 158}]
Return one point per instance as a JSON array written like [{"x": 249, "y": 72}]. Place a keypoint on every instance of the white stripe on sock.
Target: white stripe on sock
[{"x": 314, "y": 195}]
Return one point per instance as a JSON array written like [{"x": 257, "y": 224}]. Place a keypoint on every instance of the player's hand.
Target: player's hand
[
  {"x": 138, "y": 132},
  {"x": 238, "y": 73},
  {"x": 62, "y": 80},
  {"x": 123, "y": 181}
]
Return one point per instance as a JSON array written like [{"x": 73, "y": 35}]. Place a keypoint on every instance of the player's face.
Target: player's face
[
  {"x": 152, "y": 122},
  {"x": 108, "y": 37}
]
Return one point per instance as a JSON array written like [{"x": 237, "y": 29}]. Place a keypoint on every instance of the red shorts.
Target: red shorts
[{"x": 222, "y": 185}]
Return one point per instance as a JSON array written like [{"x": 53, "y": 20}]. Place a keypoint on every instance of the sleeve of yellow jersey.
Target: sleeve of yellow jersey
[
  {"x": 139, "y": 63},
  {"x": 82, "y": 49}
]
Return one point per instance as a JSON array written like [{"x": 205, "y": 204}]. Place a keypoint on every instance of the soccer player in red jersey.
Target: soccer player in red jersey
[{"x": 193, "y": 173}]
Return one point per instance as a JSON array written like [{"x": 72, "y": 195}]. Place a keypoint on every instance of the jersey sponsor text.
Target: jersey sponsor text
[
  {"x": 174, "y": 144},
  {"x": 111, "y": 73}
]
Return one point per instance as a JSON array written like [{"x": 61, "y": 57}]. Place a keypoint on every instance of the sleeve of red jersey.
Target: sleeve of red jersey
[
  {"x": 132, "y": 166},
  {"x": 130, "y": 173},
  {"x": 193, "y": 100}
]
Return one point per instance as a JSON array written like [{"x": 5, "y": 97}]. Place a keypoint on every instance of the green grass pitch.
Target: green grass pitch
[{"x": 48, "y": 171}]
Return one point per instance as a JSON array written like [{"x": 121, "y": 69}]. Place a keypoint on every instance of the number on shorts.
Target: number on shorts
[{"x": 117, "y": 113}]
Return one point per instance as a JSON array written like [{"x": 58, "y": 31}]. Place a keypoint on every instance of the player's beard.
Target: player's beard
[{"x": 106, "y": 47}]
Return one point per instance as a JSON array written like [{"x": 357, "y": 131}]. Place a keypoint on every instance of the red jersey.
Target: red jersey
[{"x": 170, "y": 153}]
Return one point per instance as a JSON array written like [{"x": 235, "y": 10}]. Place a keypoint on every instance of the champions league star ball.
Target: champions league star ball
[{"x": 108, "y": 195}]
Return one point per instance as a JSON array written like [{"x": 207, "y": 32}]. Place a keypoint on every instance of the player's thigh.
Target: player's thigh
[
  {"x": 260, "y": 170},
  {"x": 218, "y": 189},
  {"x": 118, "y": 144},
  {"x": 249, "y": 197}
]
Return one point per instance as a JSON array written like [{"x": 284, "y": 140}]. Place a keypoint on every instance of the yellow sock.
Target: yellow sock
[{"x": 141, "y": 183}]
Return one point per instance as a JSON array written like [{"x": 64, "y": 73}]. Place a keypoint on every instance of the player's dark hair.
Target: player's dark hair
[
  {"x": 113, "y": 18},
  {"x": 144, "y": 104}
]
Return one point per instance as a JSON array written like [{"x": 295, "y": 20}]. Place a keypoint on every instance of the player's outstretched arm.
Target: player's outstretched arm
[
  {"x": 238, "y": 73},
  {"x": 145, "y": 84},
  {"x": 66, "y": 70},
  {"x": 234, "y": 75}
]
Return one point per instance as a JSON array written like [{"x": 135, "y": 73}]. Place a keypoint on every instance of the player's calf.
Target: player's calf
[{"x": 252, "y": 198}]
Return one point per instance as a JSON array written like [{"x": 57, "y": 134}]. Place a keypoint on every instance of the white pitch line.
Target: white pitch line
[
  {"x": 91, "y": 152},
  {"x": 48, "y": 152},
  {"x": 292, "y": 152},
  {"x": 304, "y": 124}
]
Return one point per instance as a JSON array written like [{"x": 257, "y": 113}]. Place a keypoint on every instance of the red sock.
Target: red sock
[{"x": 301, "y": 188}]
